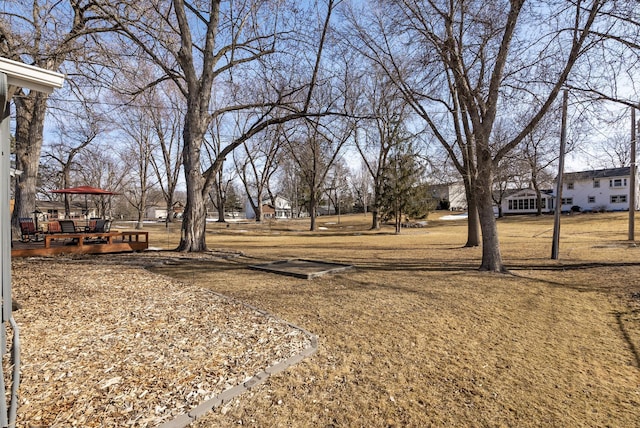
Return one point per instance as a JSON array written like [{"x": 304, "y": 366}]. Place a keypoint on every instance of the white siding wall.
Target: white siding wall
[
  {"x": 589, "y": 197},
  {"x": 457, "y": 197}
]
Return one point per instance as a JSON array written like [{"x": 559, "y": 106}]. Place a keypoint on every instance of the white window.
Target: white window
[
  {"x": 567, "y": 201},
  {"x": 570, "y": 185},
  {"x": 523, "y": 204},
  {"x": 618, "y": 199},
  {"x": 592, "y": 200},
  {"x": 618, "y": 182},
  {"x": 596, "y": 184}
]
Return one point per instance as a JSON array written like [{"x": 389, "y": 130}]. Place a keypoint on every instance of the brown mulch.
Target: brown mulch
[{"x": 110, "y": 344}]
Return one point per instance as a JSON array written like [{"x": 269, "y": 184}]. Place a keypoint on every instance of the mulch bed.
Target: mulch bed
[{"x": 110, "y": 344}]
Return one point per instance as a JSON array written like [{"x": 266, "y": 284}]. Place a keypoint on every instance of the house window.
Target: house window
[
  {"x": 567, "y": 201},
  {"x": 570, "y": 186},
  {"x": 618, "y": 182},
  {"x": 592, "y": 199},
  {"x": 618, "y": 199},
  {"x": 596, "y": 184},
  {"x": 544, "y": 203},
  {"x": 524, "y": 204}
]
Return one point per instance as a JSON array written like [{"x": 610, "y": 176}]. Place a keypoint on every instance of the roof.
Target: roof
[
  {"x": 597, "y": 173},
  {"x": 517, "y": 192}
]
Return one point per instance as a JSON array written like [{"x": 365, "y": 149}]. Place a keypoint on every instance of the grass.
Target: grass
[{"x": 416, "y": 336}]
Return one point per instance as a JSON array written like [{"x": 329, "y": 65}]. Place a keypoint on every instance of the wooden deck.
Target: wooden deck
[{"x": 82, "y": 243}]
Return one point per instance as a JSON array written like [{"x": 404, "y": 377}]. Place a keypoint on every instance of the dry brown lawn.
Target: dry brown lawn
[{"x": 416, "y": 336}]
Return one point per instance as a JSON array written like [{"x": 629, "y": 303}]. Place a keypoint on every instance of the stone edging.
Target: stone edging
[{"x": 227, "y": 395}]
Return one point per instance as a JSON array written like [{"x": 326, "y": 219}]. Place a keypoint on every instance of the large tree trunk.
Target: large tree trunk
[
  {"x": 169, "y": 218},
  {"x": 220, "y": 197},
  {"x": 258, "y": 208},
  {"x": 491, "y": 256},
  {"x": 30, "y": 113},
  {"x": 313, "y": 202},
  {"x": 140, "y": 222},
  {"x": 536, "y": 187},
  {"x": 473, "y": 226},
  {"x": 192, "y": 237},
  {"x": 375, "y": 220},
  {"x": 194, "y": 221},
  {"x": 473, "y": 223},
  {"x": 220, "y": 205}
]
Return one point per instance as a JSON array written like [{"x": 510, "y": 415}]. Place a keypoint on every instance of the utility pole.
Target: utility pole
[
  {"x": 555, "y": 246},
  {"x": 632, "y": 178}
]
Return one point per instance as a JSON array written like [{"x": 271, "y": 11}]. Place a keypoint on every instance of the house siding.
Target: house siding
[
  {"x": 599, "y": 190},
  {"x": 453, "y": 193}
]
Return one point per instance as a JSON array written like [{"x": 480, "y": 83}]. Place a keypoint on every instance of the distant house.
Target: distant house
[
  {"x": 157, "y": 212},
  {"x": 449, "y": 196},
  {"x": 280, "y": 210},
  {"x": 55, "y": 210},
  {"x": 525, "y": 201},
  {"x": 598, "y": 190}
]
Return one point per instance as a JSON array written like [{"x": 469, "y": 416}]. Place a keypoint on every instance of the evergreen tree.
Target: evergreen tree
[{"x": 402, "y": 187}]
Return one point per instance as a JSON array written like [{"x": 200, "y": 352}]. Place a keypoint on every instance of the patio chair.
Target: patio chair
[
  {"x": 102, "y": 226},
  {"x": 92, "y": 226},
  {"x": 54, "y": 227},
  {"x": 67, "y": 226},
  {"x": 28, "y": 230}
]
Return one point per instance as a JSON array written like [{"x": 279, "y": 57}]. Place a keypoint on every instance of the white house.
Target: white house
[
  {"x": 525, "y": 201},
  {"x": 281, "y": 209},
  {"x": 158, "y": 212},
  {"x": 453, "y": 193},
  {"x": 598, "y": 190}
]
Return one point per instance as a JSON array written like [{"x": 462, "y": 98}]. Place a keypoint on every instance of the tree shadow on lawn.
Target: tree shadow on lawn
[
  {"x": 627, "y": 293},
  {"x": 628, "y": 322},
  {"x": 193, "y": 265}
]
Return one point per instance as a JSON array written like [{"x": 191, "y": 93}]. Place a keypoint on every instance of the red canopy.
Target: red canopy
[{"x": 84, "y": 190}]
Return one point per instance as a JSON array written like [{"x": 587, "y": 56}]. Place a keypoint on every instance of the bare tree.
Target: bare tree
[
  {"x": 617, "y": 150},
  {"x": 315, "y": 147},
  {"x": 379, "y": 136},
  {"x": 137, "y": 128},
  {"x": 337, "y": 189},
  {"x": 476, "y": 59},
  {"x": 290, "y": 184},
  {"x": 166, "y": 157},
  {"x": 100, "y": 168},
  {"x": 204, "y": 48},
  {"x": 256, "y": 165},
  {"x": 75, "y": 132},
  {"x": 45, "y": 34},
  {"x": 362, "y": 188},
  {"x": 538, "y": 151},
  {"x": 222, "y": 189}
]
